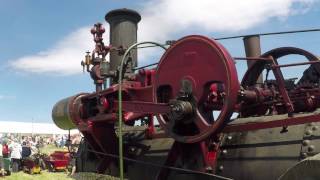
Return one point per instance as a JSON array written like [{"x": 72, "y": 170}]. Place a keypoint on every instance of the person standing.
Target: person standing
[
  {"x": 26, "y": 150},
  {"x": 1, "y": 161},
  {"x": 16, "y": 150},
  {"x": 5, "y": 149}
]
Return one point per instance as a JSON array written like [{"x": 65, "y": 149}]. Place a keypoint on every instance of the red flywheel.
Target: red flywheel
[{"x": 198, "y": 77}]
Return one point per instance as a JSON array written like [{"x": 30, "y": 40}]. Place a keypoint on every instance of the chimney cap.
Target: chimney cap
[{"x": 118, "y": 13}]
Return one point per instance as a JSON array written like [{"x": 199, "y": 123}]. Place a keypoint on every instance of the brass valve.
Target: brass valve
[{"x": 87, "y": 61}]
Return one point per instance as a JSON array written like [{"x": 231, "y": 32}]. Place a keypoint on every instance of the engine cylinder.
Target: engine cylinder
[{"x": 64, "y": 112}]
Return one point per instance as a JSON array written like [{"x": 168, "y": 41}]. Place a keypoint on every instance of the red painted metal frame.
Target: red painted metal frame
[
  {"x": 296, "y": 64},
  {"x": 179, "y": 63},
  {"x": 141, "y": 104},
  {"x": 252, "y": 74},
  {"x": 280, "y": 80},
  {"x": 144, "y": 107}
]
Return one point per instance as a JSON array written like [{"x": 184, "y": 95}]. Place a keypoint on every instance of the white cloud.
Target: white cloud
[
  {"x": 213, "y": 15},
  {"x": 2, "y": 97},
  {"x": 62, "y": 59},
  {"x": 161, "y": 20}
]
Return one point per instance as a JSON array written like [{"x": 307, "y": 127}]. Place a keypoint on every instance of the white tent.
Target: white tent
[{"x": 32, "y": 128}]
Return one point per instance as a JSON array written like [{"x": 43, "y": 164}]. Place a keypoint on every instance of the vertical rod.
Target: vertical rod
[
  {"x": 123, "y": 33},
  {"x": 120, "y": 100},
  {"x": 280, "y": 80},
  {"x": 252, "y": 48},
  {"x": 105, "y": 83},
  {"x": 98, "y": 87}
]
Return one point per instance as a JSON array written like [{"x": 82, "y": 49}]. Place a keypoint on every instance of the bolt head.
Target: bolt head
[
  {"x": 308, "y": 132},
  {"x": 304, "y": 155},
  {"x": 311, "y": 148},
  {"x": 224, "y": 152},
  {"x": 209, "y": 169},
  {"x": 305, "y": 142},
  {"x": 220, "y": 168}
]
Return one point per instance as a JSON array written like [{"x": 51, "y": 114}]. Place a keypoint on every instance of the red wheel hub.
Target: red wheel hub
[{"x": 185, "y": 73}]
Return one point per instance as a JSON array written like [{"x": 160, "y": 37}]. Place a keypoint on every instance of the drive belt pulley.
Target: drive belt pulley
[{"x": 189, "y": 74}]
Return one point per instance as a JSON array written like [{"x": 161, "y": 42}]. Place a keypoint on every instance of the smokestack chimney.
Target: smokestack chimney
[
  {"x": 252, "y": 48},
  {"x": 123, "y": 32}
]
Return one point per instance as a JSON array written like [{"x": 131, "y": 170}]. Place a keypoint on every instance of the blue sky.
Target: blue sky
[{"x": 43, "y": 42}]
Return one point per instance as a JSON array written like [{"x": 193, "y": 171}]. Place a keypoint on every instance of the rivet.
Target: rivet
[
  {"x": 220, "y": 168},
  {"x": 209, "y": 169},
  {"x": 305, "y": 142},
  {"x": 311, "y": 148},
  {"x": 308, "y": 133},
  {"x": 224, "y": 152},
  {"x": 229, "y": 137},
  {"x": 304, "y": 155},
  {"x": 315, "y": 128}
]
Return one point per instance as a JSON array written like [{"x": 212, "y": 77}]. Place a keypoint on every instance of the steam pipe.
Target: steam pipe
[
  {"x": 252, "y": 48},
  {"x": 123, "y": 33},
  {"x": 127, "y": 52}
]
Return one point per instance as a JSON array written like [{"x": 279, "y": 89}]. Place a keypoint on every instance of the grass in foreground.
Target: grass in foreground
[
  {"x": 58, "y": 176},
  {"x": 43, "y": 176}
]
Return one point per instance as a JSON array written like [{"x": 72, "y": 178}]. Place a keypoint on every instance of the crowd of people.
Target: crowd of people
[{"x": 17, "y": 147}]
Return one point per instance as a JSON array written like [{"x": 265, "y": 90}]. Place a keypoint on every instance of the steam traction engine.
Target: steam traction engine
[{"x": 192, "y": 94}]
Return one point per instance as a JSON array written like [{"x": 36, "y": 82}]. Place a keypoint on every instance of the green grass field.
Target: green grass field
[
  {"x": 58, "y": 176},
  {"x": 43, "y": 176}
]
